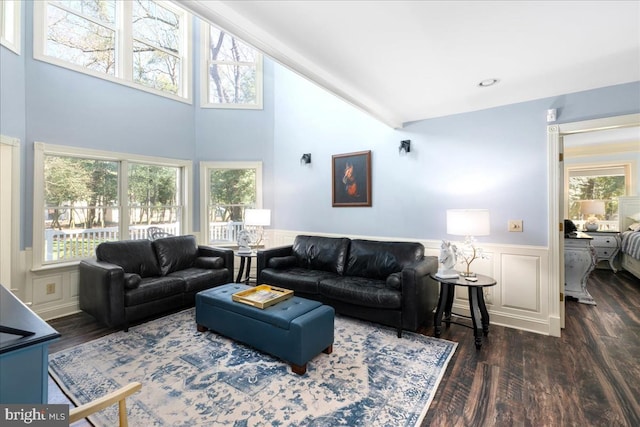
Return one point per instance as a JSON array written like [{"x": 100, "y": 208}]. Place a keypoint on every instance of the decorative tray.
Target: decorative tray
[{"x": 262, "y": 296}]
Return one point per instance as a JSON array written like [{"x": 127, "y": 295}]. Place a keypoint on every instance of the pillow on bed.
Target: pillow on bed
[{"x": 635, "y": 226}]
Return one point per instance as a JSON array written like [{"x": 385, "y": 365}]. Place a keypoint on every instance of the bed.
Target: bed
[{"x": 629, "y": 214}]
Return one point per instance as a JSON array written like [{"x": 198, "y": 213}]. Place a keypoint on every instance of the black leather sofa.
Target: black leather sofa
[
  {"x": 134, "y": 279},
  {"x": 383, "y": 282}
]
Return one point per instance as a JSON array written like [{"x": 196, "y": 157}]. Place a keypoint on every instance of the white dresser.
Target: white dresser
[
  {"x": 580, "y": 259},
  {"x": 607, "y": 245}
]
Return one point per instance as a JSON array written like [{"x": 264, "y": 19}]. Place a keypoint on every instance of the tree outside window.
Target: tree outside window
[
  {"x": 143, "y": 43},
  {"x": 80, "y": 194},
  {"x": 83, "y": 206},
  {"x": 233, "y": 72},
  {"x": 230, "y": 189},
  {"x": 605, "y": 183}
]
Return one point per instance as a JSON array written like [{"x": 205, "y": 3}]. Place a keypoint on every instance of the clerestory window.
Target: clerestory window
[
  {"x": 231, "y": 71},
  {"x": 142, "y": 43}
]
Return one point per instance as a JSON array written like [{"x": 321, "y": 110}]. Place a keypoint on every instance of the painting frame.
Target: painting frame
[{"x": 351, "y": 179}]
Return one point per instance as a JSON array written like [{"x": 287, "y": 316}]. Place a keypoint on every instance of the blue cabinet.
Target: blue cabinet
[{"x": 23, "y": 359}]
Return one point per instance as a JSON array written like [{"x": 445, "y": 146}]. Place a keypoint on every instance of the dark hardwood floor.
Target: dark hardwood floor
[{"x": 588, "y": 377}]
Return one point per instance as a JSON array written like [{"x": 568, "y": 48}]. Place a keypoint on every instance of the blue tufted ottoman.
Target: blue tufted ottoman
[{"x": 294, "y": 330}]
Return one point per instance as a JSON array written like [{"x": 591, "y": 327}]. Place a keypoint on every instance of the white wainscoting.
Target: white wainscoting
[
  {"x": 52, "y": 292},
  {"x": 519, "y": 300}
]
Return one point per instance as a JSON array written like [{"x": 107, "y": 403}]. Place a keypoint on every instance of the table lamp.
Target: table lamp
[
  {"x": 257, "y": 219},
  {"x": 592, "y": 208},
  {"x": 468, "y": 223}
]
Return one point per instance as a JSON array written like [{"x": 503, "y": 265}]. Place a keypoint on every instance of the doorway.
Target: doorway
[{"x": 555, "y": 139}]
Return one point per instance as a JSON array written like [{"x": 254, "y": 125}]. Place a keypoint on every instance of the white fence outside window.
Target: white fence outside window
[{"x": 82, "y": 242}]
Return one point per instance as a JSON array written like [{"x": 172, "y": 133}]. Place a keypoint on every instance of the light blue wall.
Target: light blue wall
[
  {"x": 60, "y": 106},
  {"x": 12, "y": 101},
  {"x": 495, "y": 159},
  {"x": 237, "y": 135}
]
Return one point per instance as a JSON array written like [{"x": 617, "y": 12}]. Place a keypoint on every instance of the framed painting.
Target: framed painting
[{"x": 351, "y": 179}]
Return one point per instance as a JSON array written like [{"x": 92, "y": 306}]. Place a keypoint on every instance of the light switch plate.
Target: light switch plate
[{"x": 515, "y": 225}]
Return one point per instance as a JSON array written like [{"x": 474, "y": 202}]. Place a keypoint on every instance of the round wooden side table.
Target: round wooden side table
[{"x": 479, "y": 314}]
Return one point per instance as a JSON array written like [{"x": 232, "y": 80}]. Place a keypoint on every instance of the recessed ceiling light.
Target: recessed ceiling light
[{"x": 488, "y": 82}]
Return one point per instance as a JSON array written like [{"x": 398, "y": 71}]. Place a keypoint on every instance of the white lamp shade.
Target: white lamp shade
[
  {"x": 257, "y": 217},
  {"x": 468, "y": 222},
  {"x": 592, "y": 207}
]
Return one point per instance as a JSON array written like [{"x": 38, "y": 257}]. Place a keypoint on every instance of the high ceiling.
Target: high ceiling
[{"x": 403, "y": 61}]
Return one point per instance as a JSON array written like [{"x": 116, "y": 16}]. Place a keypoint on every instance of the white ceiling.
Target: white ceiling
[{"x": 403, "y": 61}]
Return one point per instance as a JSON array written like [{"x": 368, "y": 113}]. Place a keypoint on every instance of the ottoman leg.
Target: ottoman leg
[
  {"x": 297, "y": 369},
  {"x": 202, "y": 328},
  {"x": 328, "y": 350}
]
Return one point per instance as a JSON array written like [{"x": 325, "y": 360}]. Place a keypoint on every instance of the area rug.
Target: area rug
[{"x": 372, "y": 378}]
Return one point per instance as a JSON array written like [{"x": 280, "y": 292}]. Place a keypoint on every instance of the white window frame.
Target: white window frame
[
  {"x": 205, "y": 168},
  {"x": 592, "y": 168},
  {"x": 124, "y": 48},
  {"x": 10, "y": 218},
  {"x": 10, "y": 39},
  {"x": 42, "y": 149},
  {"x": 204, "y": 74}
]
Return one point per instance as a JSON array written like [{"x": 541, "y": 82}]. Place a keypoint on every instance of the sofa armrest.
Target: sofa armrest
[
  {"x": 264, "y": 255},
  {"x": 419, "y": 292},
  {"x": 224, "y": 253},
  {"x": 101, "y": 291}
]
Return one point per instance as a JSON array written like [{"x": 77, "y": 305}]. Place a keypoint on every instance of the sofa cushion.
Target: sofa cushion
[
  {"x": 209, "y": 262},
  {"x": 134, "y": 256},
  {"x": 299, "y": 280},
  {"x": 321, "y": 253},
  {"x": 377, "y": 260},
  {"x": 175, "y": 253},
  {"x": 361, "y": 291},
  {"x": 154, "y": 288},
  {"x": 198, "y": 279}
]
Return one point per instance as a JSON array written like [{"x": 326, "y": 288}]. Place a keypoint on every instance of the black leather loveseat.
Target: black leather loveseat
[
  {"x": 133, "y": 279},
  {"x": 383, "y": 282}
]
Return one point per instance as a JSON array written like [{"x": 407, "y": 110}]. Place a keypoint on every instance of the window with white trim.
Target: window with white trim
[
  {"x": 226, "y": 190},
  {"x": 10, "y": 24},
  {"x": 145, "y": 44},
  {"x": 85, "y": 197},
  {"x": 600, "y": 183},
  {"x": 231, "y": 71}
]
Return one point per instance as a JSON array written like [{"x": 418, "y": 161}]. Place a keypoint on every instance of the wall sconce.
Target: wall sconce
[
  {"x": 305, "y": 159},
  {"x": 405, "y": 146}
]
